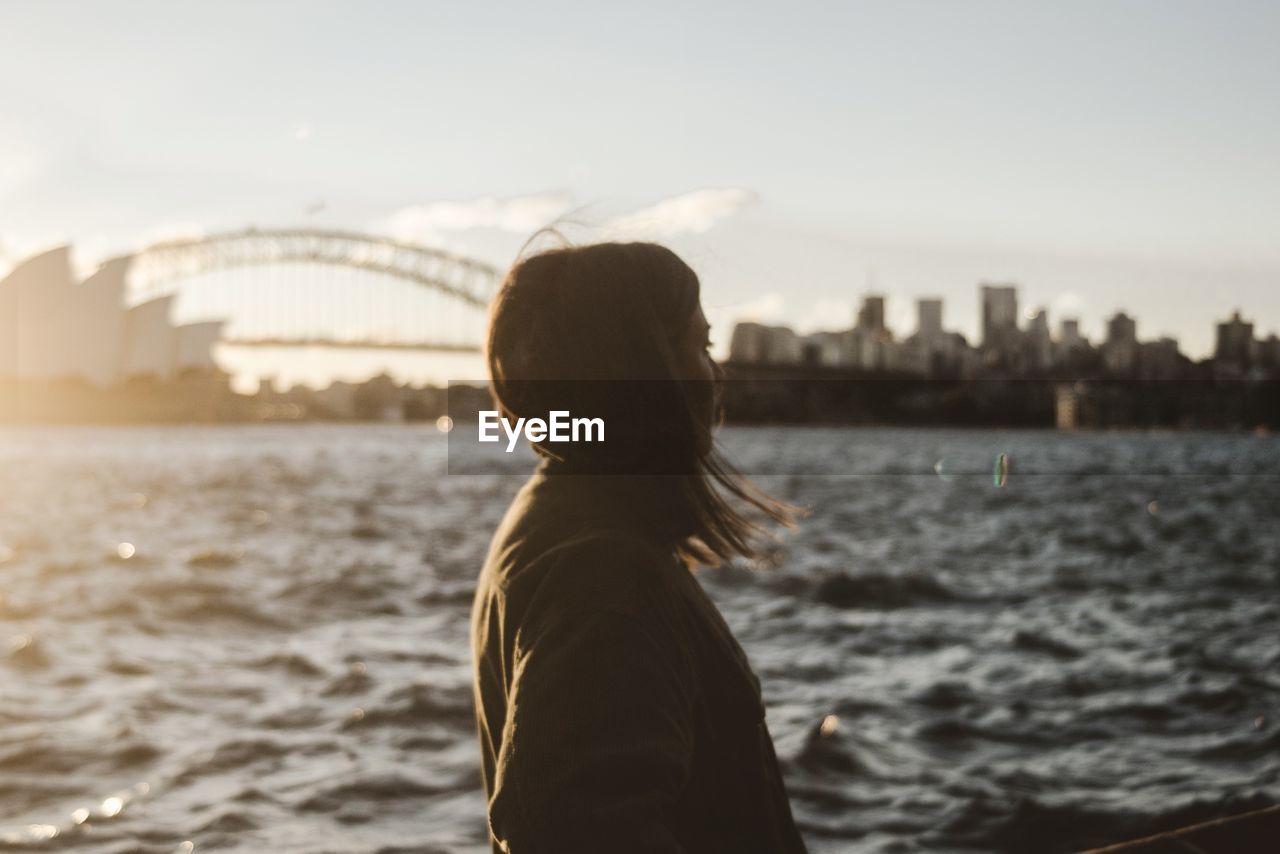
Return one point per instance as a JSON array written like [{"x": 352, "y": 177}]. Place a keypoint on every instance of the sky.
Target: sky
[{"x": 1102, "y": 155}]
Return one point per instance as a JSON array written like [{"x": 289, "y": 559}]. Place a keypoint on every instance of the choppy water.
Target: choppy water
[{"x": 254, "y": 638}]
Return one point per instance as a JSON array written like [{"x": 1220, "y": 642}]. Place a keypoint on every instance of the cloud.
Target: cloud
[
  {"x": 520, "y": 214},
  {"x": 767, "y": 308},
  {"x": 167, "y": 232},
  {"x": 691, "y": 213},
  {"x": 827, "y": 315}
]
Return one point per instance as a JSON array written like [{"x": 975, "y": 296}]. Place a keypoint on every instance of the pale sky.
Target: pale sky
[{"x": 1104, "y": 155}]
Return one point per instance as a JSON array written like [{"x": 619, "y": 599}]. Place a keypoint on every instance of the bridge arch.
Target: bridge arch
[
  {"x": 445, "y": 317},
  {"x": 157, "y": 266}
]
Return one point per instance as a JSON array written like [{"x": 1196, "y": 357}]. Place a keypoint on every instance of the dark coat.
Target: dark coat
[{"x": 616, "y": 711}]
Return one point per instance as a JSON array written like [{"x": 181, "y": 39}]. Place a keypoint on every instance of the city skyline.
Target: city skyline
[
  {"x": 1009, "y": 339},
  {"x": 47, "y": 281},
  {"x": 930, "y": 316},
  {"x": 794, "y": 157}
]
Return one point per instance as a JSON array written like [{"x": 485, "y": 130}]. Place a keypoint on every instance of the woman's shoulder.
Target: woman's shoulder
[
  {"x": 590, "y": 571},
  {"x": 602, "y": 569}
]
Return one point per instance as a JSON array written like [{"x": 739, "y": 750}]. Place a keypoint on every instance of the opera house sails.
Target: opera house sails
[{"x": 53, "y": 327}]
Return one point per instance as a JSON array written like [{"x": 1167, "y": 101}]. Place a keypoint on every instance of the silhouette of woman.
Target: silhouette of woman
[{"x": 616, "y": 711}]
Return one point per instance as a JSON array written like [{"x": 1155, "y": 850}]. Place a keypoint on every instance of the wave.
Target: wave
[{"x": 876, "y": 590}]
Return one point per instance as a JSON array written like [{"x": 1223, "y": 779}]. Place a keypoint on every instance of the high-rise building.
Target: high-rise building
[
  {"x": 827, "y": 349},
  {"x": 929, "y": 320},
  {"x": 871, "y": 315},
  {"x": 1159, "y": 359},
  {"x": 749, "y": 343},
  {"x": 1121, "y": 329},
  {"x": 1120, "y": 350},
  {"x": 1235, "y": 341},
  {"x": 1039, "y": 345},
  {"x": 1268, "y": 351},
  {"x": 1071, "y": 349},
  {"x": 755, "y": 343},
  {"x": 999, "y": 314},
  {"x": 1069, "y": 337}
]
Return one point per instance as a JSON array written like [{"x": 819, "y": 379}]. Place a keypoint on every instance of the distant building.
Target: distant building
[
  {"x": 1069, "y": 337},
  {"x": 749, "y": 343},
  {"x": 755, "y": 343},
  {"x": 1002, "y": 341},
  {"x": 338, "y": 400},
  {"x": 999, "y": 315},
  {"x": 150, "y": 340},
  {"x": 99, "y": 323},
  {"x": 826, "y": 349},
  {"x": 1007, "y": 349},
  {"x": 931, "y": 350},
  {"x": 53, "y": 327},
  {"x": 872, "y": 349},
  {"x": 380, "y": 399},
  {"x": 870, "y": 344},
  {"x": 961, "y": 359},
  {"x": 929, "y": 321},
  {"x": 1159, "y": 359},
  {"x": 1039, "y": 344},
  {"x": 1268, "y": 352},
  {"x": 871, "y": 315},
  {"x": 1235, "y": 343},
  {"x": 1120, "y": 350},
  {"x": 34, "y": 326}
]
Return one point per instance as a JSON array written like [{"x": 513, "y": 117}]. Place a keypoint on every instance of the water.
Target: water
[{"x": 254, "y": 638}]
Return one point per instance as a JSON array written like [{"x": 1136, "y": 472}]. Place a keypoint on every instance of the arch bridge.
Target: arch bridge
[{"x": 306, "y": 287}]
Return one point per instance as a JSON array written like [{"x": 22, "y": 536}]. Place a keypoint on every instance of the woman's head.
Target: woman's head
[
  {"x": 616, "y": 330},
  {"x": 612, "y": 311}
]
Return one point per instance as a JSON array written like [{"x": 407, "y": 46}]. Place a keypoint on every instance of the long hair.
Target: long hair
[{"x": 600, "y": 326}]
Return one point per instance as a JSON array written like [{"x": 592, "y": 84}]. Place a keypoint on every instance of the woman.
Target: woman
[{"x": 616, "y": 711}]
